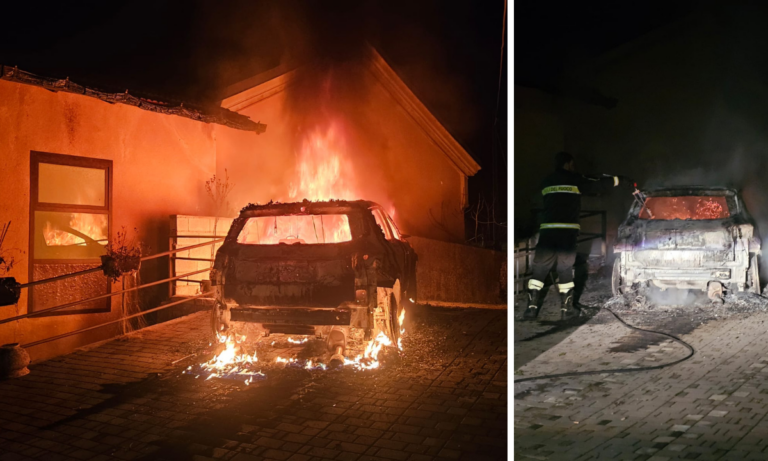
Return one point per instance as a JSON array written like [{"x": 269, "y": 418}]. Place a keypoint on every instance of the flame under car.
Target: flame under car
[
  {"x": 314, "y": 268},
  {"x": 697, "y": 238}
]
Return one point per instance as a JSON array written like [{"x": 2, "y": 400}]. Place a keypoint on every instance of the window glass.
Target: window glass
[
  {"x": 297, "y": 229},
  {"x": 71, "y": 185},
  {"x": 65, "y": 235}
]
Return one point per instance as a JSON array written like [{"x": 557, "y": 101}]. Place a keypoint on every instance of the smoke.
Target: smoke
[{"x": 673, "y": 297}]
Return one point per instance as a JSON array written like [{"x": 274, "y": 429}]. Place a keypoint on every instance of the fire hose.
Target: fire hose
[{"x": 691, "y": 352}]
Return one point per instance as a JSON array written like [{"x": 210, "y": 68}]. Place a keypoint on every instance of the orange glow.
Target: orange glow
[
  {"x": 233, "y": 362},
  {"x": 369, "y": 360},
  {"x": 323, "y": 168},
  {"x": 685, "y": 207},
  {"x": 91, "y": 225},
  {"x": 302, "y": 229}
]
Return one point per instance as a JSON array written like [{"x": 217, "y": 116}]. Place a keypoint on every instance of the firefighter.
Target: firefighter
[{"x": 562, "y": 191}]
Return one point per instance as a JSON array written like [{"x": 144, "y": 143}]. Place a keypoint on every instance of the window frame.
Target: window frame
[
  {"x": 36, "y": 158},
  {"x": 386, "y": 230}
]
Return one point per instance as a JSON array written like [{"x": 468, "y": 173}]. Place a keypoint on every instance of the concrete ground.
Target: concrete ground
[
  {"x": 711, "y": 407},
  {"x": 445, "y": 398}
]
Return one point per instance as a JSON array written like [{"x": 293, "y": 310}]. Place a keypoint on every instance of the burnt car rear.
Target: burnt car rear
[
  {"x": 699, "y": 238},
  {"x": 312, "y": 267}
]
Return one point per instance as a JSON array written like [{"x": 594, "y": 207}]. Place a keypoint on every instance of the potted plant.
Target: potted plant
[{"x": 123, "y": 256}]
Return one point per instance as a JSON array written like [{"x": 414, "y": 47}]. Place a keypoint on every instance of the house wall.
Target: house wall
[
  {"x": 160, "y": 164},
  {"x": 386, "y": 156}
]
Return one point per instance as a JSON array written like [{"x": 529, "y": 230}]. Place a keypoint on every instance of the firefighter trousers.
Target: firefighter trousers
[{"x": 556, "y": 247}]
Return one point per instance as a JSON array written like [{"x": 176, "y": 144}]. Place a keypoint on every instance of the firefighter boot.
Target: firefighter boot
[
  {"x": 533, "y": 305},
  {"x": 567, "y": 310}
]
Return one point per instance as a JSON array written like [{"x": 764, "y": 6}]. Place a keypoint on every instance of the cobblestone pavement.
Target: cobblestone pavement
[
  {"x": 128, "y": 399},
  {"x": 711, "y": 407}
]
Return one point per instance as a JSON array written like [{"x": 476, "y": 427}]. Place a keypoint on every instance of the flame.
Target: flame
[
  {"x": 369, "y": 359},
  {"x": 92, "y": 225},
  {"x": 322, "y": 167},
  {"x": 297, "y": 341},
  {"x": 231, "y": 362},
  {"x": 400, "y": 321},
  {"x": 296, "y": 229}
]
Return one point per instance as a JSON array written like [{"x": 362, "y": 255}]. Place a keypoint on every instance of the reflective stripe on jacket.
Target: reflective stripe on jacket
[
  {"x": 559, "y": 225},
  {"x": 562, "y": 191}
]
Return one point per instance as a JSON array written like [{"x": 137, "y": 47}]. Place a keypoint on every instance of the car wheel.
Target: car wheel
[
  {"x": 387, "y": 320},
  {"x": 219, "y": 318},
  {"x": 617, "y": 284}
]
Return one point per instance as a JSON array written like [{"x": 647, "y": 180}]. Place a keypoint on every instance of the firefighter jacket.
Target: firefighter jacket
[{"x": 562, "y": 191}]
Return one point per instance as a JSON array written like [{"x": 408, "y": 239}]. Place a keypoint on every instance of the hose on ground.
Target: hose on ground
[{"x": 690, "y": 348}]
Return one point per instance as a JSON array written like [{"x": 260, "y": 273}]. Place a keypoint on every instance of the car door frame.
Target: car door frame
[{"x": 406, "y": 257}]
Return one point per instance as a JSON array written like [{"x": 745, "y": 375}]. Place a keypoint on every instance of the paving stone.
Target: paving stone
[
  {"x": 127, "y": 399},
  {"x": 714, "y": 406}
]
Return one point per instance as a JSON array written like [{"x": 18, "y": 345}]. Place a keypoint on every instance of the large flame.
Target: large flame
[{"x": 323, "y": 169}]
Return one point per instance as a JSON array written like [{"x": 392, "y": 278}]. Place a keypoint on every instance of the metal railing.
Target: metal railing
[
  {"x": 172, "y": 260},
  {"x": 523, "y": 254},
  {"x": 170, "y": 253}
]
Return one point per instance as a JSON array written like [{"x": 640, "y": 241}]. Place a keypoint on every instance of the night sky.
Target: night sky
[{"x": 449, "y": 53}]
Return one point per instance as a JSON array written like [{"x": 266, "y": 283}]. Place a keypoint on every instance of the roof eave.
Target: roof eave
[{"x": 421, "y": 115}]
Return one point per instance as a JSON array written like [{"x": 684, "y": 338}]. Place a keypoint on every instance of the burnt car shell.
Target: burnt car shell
[
  {"x": 293, "y": 288},
  {"x": 691, "y": 253}
]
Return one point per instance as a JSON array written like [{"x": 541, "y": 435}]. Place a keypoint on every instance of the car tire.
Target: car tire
[
  {"x": 219, "y": 318},
  {"x": 617, "y": 284},
  {"x": 393, "y": 306}
]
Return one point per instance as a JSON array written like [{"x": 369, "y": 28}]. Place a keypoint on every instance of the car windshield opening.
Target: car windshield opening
[
  {"x": 693, "y": 207},
  {"x": 296, "y": 229}
]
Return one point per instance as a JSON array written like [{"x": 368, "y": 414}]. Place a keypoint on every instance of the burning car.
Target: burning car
[
  {"x": 698, "y": 238},
  {"x": 314, "y": 268}
]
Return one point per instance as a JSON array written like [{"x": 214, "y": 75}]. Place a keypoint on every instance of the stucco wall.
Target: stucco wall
[
  {"x": 456, "y": 274},
  {"x": 160, "y": 164}
]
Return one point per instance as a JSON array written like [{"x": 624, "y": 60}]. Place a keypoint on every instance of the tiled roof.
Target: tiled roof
[{"x": 217, "y": 115}]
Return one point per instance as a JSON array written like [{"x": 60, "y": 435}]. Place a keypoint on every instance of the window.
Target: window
[
  {"x": 70, "y": 222},
  {"x": 296, "y": 229},
  {"x": 685, "y": 208}
]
